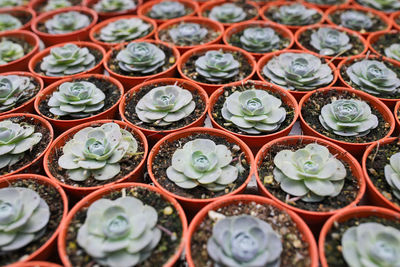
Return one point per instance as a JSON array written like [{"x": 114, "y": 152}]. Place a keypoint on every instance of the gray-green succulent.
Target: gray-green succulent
[
  {"x": 114, "y": 5},
  {"x": 227, "y": 13},
  {"x": 119, "y": 233},
  {"x": 259, "y": 39},
  {"x": 167, "y": 10},
  {"x": 355, "y": 20},
  {"x": 10, "y": 3},
  {"x": 10, "y": 51},
  {"x": 67, "y": 22},
  {"x": 244, "y": 241},
  {"x": 13, "y": 88},
  {"x": 311, "y": 173},
  {"x": 371, "y": 244},
  {"x": 56, "y": 4},
  {"x": 187, "y": 32},
  {"x": 326, "y": 2},
  {"x": 382, "y": 5},
  {"x": 24, "y": 216},
  {"x": 393, "y": 51},
  {"x": 67, "y": 60},
  {"x": 201, "y": 162},
  {"x": 348, "y": 117},
  {"x": 97, "y": 151},
  {"x": 298, "y": 71},
  {"x": 16, "y": 139},
  {"x": 9, "y": 22},
  {"x": 164, "y": 105},
  {"x": 294, "y": 14},
  {"x": 392, "y": 174},
  {"x": 123, "y": 30},
  {"x": 254, "y": 111},
  {"x": 330, "y": 42}
]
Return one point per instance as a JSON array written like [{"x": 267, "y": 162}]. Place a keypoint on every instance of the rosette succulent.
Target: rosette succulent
[
  {"x": 227, "y": 13},
  {"x": 244, "y": 241},
  {"x": 355, "y": 20},
  {"x": 165, "y": 105},
  {"x": 167, "y": 10},
  {"x": 11, "y": 3},
  {"x": 371, "y": 244},
  {"x": 348, "y": 117},
  {"x": 202, "y": 163},
  {"x": 326, "y": 2},
  {"x": 254, "y": 111},
  {"x": 392, "y": 174},
  {"x": 294, "y": 14},
  {"x": 393, "y": 51},
  {"x": 10, "y": 51},
  {"x": 15, "y": 140},
  {"x": 123, "y": 30},
  {"x": 259, "y": 40},
  {"x": 298, "y": 71},
  {"x": 13, "y": 88},
  {"x": 141, "y": 57},
  {"x": 67, "y": 22},
  {"x": 24, "y": 216},
  {"x": 9, "y": 22},
  {"x": 97, "y": 151},
  {"x": 186, "y": 32},
  {"x": 114, "y": 5},
  {"x": 56, "y": 4},
  {"x": 330, "y": 42},
  {"x": 311, "y": 173},
  {"x": 67, "y": 60},
  {"x": 374, "y": 77},
  {"x": 382, "y": 5},
  {"x": 120, "y": 232}
]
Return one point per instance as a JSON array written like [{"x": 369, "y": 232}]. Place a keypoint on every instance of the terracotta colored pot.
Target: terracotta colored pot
[
  {"x": 345, "y": 215},
  {"x": 239, "y": 27},
  {"x": 325, "y": 7},
  {"x": 356, "y": 149},
  {"x": 21, "y": 63},
  {"x": 208, "y": 87},
  {"x": 373, "y": 38},
  {"x": 297, "y": 94},
  {"x": 208, "y": 23},
  {"x": 396, "y": 23},
  {"x": 79, "y": 192},
  {"x": 98, "y": 68},
  {"x": 38, "y": 264},
  {"x": 192, "y": 205},
  {"x": 231, "y": 200},
  {"x": 130, "y": 81},
  {"x": 108, "y": 15},
  {"x": 96, "y": 30},
  {"x": 21, "y": 12},
  {"x": 88, "y": 200},
  {"x": 49, "y": 247}
]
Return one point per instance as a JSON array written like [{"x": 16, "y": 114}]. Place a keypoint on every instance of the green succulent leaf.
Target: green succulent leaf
[
  {"x": 227, "y": 13},
  {"x": 114, "y": 5},
  {"x": 382, "y": 5},
  {"x": 330, "y": 42},
  {"x": 10, "y": 51},
  {"x": 9, "y": 22},
  {"x": 294, "y": 14},
  {"x": 56, "y": 4},
  {"x": 123, "y": 30},
  {"x": 188, "y": 32},
  {"x": 67, "y": 22},
  {"x": 393, "y": 51},
  {"x": 13, "y": 88},
  {"x": 392, "y": 174},
  {"x": 167, "y": 10},
  {"x": 259, "y": 40},
  {"x": 11, "y": 3},
  {"x": 356, "y": 20}
]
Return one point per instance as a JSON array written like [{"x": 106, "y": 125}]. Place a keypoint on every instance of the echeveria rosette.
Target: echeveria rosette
[
  {"x": 76, "y": 99},
  {"x": 382, "y": 5},
  {"x": 244, "y": 241},
  {"x": 56, "y": 4},
  {"x": 114, "y": 5},
  {"x": 311, "y": 173},
  {"x": 227, "y": 13},
  {"x": 24, "y": 216},
  {"x": 16, "y": 139},
  {"x": 167, "y": 10},
  {"x": 123, "y": 30},
  {"x": 298, "y": 71},
  {"x": 67, "y": 22},
  {"x": 294, "y": 14},
  {"x": 12, "y": 89},
  {"x": 9, "y": 22},
  {"x": 371, "y": 244},
  {"x": 186, "y": 32},
  {"x": 201, "y": 162},
  {"x": 356, "y": 20},
  {"x": 165, "y": 105},
  {"x": 120, "y": 232},
  {"x": 11, "y": 3},
  {"x": 259, "y": 40},
  {"x": 393, "y": 51},
  {"x": 254, "y": 111},
  {"x": 10, "y": 51},
  {"x": 392, "y": 174},
  {"x": 330, "y": 42},
  {"x": 97, "y": 151}
]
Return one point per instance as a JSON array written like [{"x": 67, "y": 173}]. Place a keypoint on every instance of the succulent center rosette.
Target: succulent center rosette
[
  {"x": 259, "y": 39},
  {"x": 10, "y": 3},
  {"x": 114, "y": 5},
  {"x": 392, "y": 174},
  {"x": 67, "y": 22},
  {"x": 10, "y": 51},
  {"x": 56, "y": 4},
  {"x": 330, "y": 42},
  {"x": 187, "y": 33},
  {"x": 227, "y": 13},
  {"x": 294, "y": 14},
  {"x": 393, "y": 51},
  {"x": 9, "y": 22},
  {"x": 124, "y": 30},
  {"x": 120, "y": 232},
  {"x": 12, "y": 89},
  {"x": 355, "y": 20},
  {"x": 382, "y": 5},
  {"x": 167, "y": 10}
]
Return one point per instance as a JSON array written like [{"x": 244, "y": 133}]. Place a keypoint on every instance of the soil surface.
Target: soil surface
[
  {"x": 23, "y": 16},
  {"x": 385, "y": 41},
  {"x": 250, "y": 10},
  {"x": 377, "y": 23},
  {"x": 269, "y": 13}
]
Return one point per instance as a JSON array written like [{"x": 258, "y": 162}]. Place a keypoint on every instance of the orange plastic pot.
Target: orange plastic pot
[
  {"x": 345, "y": 215},
  {"x": 21, "y": 12},
  {"x": 395, "y": 20},
  {"x": 37, "y": 264},
  {"x": 98, "y": 68},
  {"x": 37, "y": 5},
  {"x": 192, "y": 205},
  {"x": 49, "y": 247},
  {"x": 21, "y": 63},
  {"x": 88, "y": 200},
  {"x": 96, "y": 30},
  {"x": 325, "y": 7},
  {"x": 356, "y": 149},
  {"x": 239, "y": 27},
  {"x": 373, "y": 38},
  {"x": 232, "y": 200},
  {"x": 79, "y": 192},
  {"x": 108, "y": 15},
  {"x": 297, "y": 94},
  {"x": 208, "y": 87},
  {"x": 205, "y": 22}
]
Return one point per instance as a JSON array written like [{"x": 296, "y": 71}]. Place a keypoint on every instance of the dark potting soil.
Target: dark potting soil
[
  {"x": 228, "y": 90},
  {"x": 188, "y": 10},
  {"x": 377, "y": 23},
  {"x": 40, "y": 8},
  {"x": 385, "y": 41},
  {"x": 56, "y": 206},
  {"x": 210, "y": 36},
  {"x": 111, "y": 91},
  {"x": 250, "y": 10},
  {"x": 346, "y": 196},
  {"x": 168, "y": 222},
  {"x": 25, "y": 45},
  {"x": 127, "y": 165},
  {"x": 42, "y": 27},
  {"x": 35, "y": 151},
  {"x": 97, "y": 36},
  {"x": 313, "y": 108},
  {"x": 269, "y": 13},
  {"x": 23, "y": 16},
  {"x": 130, "y": 109},
  {"x": 295, "y": 251},
  {"x": 333, "y": 241},
  {"x": 164, "y": 157}
]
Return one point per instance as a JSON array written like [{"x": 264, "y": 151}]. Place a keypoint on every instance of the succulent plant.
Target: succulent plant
[
  {"x": 120, "y": 232},
  {"x": 244, "y": 241},
  {"x": 15, "y": 140},
  {"x": 254, "y": 111},
  {"x": 355, "y": 20},
  {"x": 227, "y": 13},
  {"x": 187, "y": 32},
  {"x": 123, "y": 30},
  {"x": 383, "y": 5},
  {"x": 326, "y": 2},
  {"x": 97, "y": 151},
  {"x": 114, "y": 5},
  {"x": 9, "y": 22},
  {"x": 67, "y": 22},
  {"x": 12, "y": 89},
  {"x": 392, "y": 174},
  {"x": 24, "y": 216},
  {"x": 259, "y": 40},
  {"x": 298, "y": 71},
  {"x": 371, "y": 244},
  {"x": 393, "y": 51},
  {"x": 294, "y": 14},
  {"x": 330, "y": 42},
  {"x": 10, "y": 3},
  {"x": 311, "y": 173},
  {"x": 67, "y": 60},
  {"x": 10, "y": 51},
  {"x": 374, "y": 77},
  {"x": 202, "y": 163},
  {"x": 167, "y": 10},
  {"x": 141, "y": 57},
  {"x": 164, "y": 105},
  {"x": 56, "y": 4}
]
